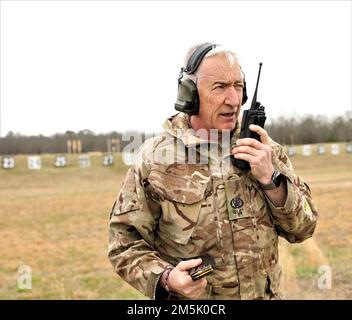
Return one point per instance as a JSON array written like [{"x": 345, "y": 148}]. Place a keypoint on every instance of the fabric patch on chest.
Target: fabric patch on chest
[{"x": 236, "y": 206}]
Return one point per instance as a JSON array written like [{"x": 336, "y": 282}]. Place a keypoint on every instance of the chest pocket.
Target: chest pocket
[
  {"x": 237, "y": 201},
  {"x": 248, "y": 210},
  {"x": 264, "y": 226},
  {"x": 181, "y": 192}
]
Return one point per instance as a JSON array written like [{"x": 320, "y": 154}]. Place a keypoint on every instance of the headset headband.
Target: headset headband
[{"x": 197, "y": 57}]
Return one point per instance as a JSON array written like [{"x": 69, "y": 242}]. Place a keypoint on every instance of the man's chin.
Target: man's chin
[{"x": 227, "y": 126}]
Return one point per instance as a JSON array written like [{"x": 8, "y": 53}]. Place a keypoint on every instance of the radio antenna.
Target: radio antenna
[{"x": 254, "y": 100}]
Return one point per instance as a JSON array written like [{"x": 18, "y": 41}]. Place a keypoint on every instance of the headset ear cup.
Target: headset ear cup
[
  {"x": 187, "y": 97},
  {"x": 244, "y": 95}
]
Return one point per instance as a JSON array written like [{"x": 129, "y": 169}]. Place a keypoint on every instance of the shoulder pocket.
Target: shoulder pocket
[
  {"x": 181, "y": 190},
  {"x": 127, "y": 199}
]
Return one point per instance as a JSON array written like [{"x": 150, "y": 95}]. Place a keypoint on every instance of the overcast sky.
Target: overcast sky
[{"x": 113, "y": 65}]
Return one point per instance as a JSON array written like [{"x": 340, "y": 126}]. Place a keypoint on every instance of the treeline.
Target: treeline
[
  {"x": 16, "y": 143},
  {"x": 285, "y": 130},
  {"x": 311, "y": 129}
]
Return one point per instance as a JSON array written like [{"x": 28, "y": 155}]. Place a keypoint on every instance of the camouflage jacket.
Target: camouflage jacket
[{"x": 173, "y": 211}]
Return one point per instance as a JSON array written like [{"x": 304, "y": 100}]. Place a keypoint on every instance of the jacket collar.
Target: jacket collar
[{"x": 179, "y": 126}]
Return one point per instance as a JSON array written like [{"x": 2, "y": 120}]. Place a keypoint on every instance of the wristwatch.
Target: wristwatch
[{"x": 276, "y": 179}]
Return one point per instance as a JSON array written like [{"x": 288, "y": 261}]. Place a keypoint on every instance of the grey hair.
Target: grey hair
[{"x": 219, "y": 50}]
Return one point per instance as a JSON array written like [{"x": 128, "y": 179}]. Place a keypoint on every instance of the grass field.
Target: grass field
[{"x": 56, "y": 221}]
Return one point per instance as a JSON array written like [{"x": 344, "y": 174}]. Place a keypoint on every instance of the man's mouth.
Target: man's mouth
[{"x": 227, "y": 114}]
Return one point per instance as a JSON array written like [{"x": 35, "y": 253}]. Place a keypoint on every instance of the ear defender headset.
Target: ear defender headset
[{"x": 187, "y": 95}]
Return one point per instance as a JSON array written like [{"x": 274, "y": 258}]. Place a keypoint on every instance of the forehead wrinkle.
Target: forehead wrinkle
[{"x": 219, "y": 73}]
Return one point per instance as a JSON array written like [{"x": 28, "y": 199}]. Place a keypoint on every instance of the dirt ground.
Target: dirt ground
[{"x": 55, "y": 222}]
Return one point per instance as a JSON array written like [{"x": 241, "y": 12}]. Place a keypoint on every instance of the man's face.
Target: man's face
[{"x": 220, "y": 87}]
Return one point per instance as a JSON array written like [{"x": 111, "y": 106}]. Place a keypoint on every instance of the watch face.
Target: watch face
[{"x": 277, "y": 177}]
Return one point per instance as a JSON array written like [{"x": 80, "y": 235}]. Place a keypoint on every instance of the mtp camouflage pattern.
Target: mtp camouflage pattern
[{"x": 169, "y": 212}]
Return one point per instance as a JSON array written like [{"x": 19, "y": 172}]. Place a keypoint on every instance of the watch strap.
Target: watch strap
[
  {"x": 269, "y": 186},
  {"x": 276, "y": 179}
]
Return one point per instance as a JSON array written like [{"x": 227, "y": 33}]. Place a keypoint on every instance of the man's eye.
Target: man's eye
[{"x": 219, "y": 86}]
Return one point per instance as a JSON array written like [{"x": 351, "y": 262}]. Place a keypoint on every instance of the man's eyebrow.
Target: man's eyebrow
[
  {"x": 227, "y": 82},
  {"x": 222, "y": 82}
]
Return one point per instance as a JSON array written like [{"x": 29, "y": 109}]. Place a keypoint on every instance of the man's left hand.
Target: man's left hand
[{"x": 258, "y": 154}]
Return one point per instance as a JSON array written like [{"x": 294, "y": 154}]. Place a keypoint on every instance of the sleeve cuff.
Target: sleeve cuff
[
  {"x": 154, "y": 291},
  {"x": 290, "y": 200}
]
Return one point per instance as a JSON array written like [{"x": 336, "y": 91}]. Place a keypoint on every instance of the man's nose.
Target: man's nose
[{"x": 232, "y": 97}]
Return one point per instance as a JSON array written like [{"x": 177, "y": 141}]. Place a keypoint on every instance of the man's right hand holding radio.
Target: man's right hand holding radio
[{"x": 257, "y": 153}]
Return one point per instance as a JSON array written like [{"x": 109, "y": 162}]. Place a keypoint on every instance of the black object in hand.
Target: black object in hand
[
  {"x": 205, "y": 268},
  {"x": 254, "y": 115}
]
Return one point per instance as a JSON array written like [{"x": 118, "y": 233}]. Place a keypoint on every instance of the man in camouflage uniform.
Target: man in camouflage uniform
[{"x": 170, "y": 211}]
